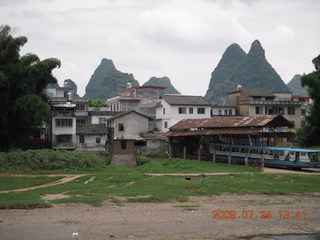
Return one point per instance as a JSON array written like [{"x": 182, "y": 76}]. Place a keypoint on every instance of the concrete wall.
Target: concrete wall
[
  {"x": 171, "y": 114},
  {"x": 90, "y": 141},
  {"x": 133, "y": 123},
  {"x": 56, "y": 131}
]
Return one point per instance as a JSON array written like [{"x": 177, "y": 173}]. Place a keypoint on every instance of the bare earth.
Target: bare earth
[{"x": 160, "y": 221}]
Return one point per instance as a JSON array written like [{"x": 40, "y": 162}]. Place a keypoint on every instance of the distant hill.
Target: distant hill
[
  {"x": 162, "y": 82},
  {"x": 73, "y": 85},
  {"x": 107, "y": 82},
  {"x": 238, "y": 68},
  {"x": 296, "y": 88}
]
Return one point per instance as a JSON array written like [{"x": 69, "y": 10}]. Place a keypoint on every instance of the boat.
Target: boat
[{"x": 293, "y": 158}]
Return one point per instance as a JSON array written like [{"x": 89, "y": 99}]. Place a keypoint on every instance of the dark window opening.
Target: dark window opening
[{"x": 123, "y": 144}]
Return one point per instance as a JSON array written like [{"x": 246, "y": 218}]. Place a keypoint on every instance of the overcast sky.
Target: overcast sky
[{"x": 181, "y": 39}]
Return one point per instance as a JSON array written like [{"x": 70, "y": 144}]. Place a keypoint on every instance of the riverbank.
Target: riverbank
[{"x": 253, "y": 215}]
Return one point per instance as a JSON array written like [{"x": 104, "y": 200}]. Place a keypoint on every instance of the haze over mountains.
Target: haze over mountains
[
  {"x": 107, "y": 82},
  {"x": 235, "y": 68},
  {"x": 296, "y": 88},
  {"x": 162, "y": 82},
  {"x": 238, "y": 68}
]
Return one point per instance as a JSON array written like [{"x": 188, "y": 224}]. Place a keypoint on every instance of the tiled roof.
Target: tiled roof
[
  {"x": 185, "y": 100},
  {"x": 125, "y": 113},
  {"x": 92, "y": 129},
  {"x": 231, "y": 122},
  {"x": 212, "y": 132}
]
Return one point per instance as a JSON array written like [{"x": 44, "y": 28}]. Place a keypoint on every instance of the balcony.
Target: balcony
[{"x": 260, "y": 102}]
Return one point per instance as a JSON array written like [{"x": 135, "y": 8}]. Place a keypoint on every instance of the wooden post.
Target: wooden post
[
  {"x": 262, "y": 161},
  {"x": 246, "y": 159},
  {"x": 170, "y": 150},
  {"x": 214, "y": 154},
  {"x": 184, "y": 152},
  {"x": 199, "y": 153}
]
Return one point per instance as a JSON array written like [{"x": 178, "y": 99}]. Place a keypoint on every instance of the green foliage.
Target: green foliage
[
  {"x": 108, "y": 82},
  {"x": 238, "y": 68},
  {"x": 309, "y": 135},
  {"x": 97, "y": 103},
  {"x": 162, "y": 82},
  {"x": 47, "y": 159},
  {"x": 177, "y": 165},
  {"x": 24, "y": 104}
]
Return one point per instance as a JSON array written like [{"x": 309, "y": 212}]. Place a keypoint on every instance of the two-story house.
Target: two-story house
[
  {"x": 173, "y": 108},
  {"x": 141, "y": 99},
  {"x": 260, "y": 101}
]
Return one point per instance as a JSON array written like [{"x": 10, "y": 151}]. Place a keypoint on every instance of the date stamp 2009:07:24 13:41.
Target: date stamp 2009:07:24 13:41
[{"x": 262, "y": 214}]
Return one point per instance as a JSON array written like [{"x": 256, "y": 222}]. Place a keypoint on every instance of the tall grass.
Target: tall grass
[{"x": 47, "y": 159}]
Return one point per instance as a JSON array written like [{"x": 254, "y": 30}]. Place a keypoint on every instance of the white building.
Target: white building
[{"x": 173, "y": 108}]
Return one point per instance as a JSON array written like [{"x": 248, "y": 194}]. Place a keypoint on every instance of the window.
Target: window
[
  {"x": 120, "y": 127},
  {"x": 165, "y": 124},
  {"x": 220, "y": 112},
  {"x": 258, "y": 110},
  {"x": 163, "y": 111},
  {"x": 256, "y": 98},
  {"x": 81, "y": 138},
  {"x": 102, "y": 120},
  {"x": 63, "y": 122},
  {"x": 182, "y": 110},
  {"x": 80, "y": 107},
  {"x": 290, "y": 110},
  {"x": 123, "y": 144},
  {"x": 98, "y": 139},
  {"x": 201, "y": 110},
  {"x": 303, "y": 112},
  {"x": 230, "y": 112},
  {"x": 190, "y": 110},
  {"x": 292, "y": 124},
  {"x": 81, "y": 121},
  {"x": 63, "y": 138},
  {"x": 225, "y": 112}
]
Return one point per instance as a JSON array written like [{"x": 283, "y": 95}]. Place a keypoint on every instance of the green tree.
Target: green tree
[
  {"x": 23, "y": 79},
  {"x": 97, "y": 103},
  {"x": 309, "y": 135}
]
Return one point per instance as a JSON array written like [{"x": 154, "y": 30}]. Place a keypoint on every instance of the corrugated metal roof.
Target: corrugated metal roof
[
  {"x": 176, "y": 99},
  {"x": 212, "y": 132},
  {"x": 228, "y": 122}
]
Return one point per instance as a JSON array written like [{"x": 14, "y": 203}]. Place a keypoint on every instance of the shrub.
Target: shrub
[{"x": 47, "y": 159}]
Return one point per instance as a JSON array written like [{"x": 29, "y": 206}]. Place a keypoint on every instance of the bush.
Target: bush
[{"x": 47, "y": 159}]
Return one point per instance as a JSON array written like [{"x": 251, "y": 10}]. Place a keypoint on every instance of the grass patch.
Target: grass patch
[
  {"x": 11, "y": 183},
  {"x": 177, "y": 165},
  {"x": 120, "y": 185}
]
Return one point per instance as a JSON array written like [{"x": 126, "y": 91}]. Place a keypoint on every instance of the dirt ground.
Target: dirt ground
[
  {"x": 160, "y": 221},
  {"x": 171, "y": 220}
]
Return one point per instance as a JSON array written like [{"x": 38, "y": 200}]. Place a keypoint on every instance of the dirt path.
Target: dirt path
[
  {"x": 191, "y": 220},
  {"x": 70, "y": 177},
  {"x": 66, "y": 178}
]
